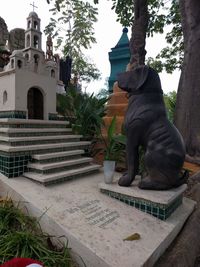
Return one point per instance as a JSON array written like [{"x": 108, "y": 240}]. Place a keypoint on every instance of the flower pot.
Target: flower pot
[{"x": 109, "y": 170}]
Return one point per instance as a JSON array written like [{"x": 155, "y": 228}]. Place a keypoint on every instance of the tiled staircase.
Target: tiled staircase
[{"x": 45, "y": 151}]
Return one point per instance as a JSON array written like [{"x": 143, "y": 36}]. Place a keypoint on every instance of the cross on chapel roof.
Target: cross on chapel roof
[{"x": 33, "y": 5}]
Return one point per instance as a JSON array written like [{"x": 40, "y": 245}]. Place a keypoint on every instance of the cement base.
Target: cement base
[{"x": 96, "y": 225}]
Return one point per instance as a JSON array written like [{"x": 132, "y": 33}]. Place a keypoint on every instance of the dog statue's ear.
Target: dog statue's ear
[{"x": 132, "y": 80}]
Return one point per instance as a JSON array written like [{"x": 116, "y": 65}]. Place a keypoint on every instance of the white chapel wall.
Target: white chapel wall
[
  {"x": 47, "y": 85},
  {"x": 7, "y": 85}
]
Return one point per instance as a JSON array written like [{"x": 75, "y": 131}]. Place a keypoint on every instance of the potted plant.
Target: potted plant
[{"x": 114, "y": 147}]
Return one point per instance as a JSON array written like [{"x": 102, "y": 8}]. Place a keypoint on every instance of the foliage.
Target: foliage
[
  {"x": 114, "y": 144},
  {"x": 104, "y": 92},
  {"x": 163, "y": 15},
  {"x": 21, "y": 236},
  {"x": 85, "y": 112},
  {"x": 170, "y": 57},
  {"x": 170, "y": 103},
  {"x": 72, "y": 26}
]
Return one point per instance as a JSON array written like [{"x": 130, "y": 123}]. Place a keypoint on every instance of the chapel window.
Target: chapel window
[
  {"x": 36, "y": 25},
  {"x": 27, "y": 57},
  {"x": 19, "y": 64},
  {"x": 53, "y": 73},
  {"x": 28, "y": 40},
  {"x": 12, "y": 63},
  {"x": 29, "y": 24},
  {"x": 36, "y": 41},
  {"x": 5, "y": 97}
]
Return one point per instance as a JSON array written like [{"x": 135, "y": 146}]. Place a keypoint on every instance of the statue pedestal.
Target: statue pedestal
[{"x": 160, "y": 204}]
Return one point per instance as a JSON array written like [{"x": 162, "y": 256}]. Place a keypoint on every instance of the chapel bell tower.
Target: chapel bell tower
[{"x": 33, "y": 37}]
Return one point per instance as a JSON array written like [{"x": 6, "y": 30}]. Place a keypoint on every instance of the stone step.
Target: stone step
[
  {"x": 56, "y": 165},
  {"x": 38, "y": 138},
  {"x": 44, "y": 147},
  {"x": 47, "y": 179},
  {"x": 57, "y": 155},
  {"x": 22, "y": 123},
  {"x": 27, "y": 131}
]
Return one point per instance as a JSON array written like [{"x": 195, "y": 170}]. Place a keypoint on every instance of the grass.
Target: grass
[{"x": 21, "y": 236}]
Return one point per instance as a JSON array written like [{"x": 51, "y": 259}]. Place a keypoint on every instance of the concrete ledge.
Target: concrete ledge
[{"x": 95, "y": 224}]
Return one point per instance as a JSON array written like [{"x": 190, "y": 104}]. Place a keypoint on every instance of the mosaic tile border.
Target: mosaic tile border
[
  {"x": 44, "y": 151},
  {"x": 56, "y": 117},
  {"x": 13, "y": 166},
  {"x": 157, "y": 210},
  {"x": 30, "y": 134},
  {"x": 14, "y": 114},
  {"x": 39, "y": 142}
]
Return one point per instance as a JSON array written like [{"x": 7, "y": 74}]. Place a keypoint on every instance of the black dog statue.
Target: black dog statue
[{"x": 147, "y": 125}]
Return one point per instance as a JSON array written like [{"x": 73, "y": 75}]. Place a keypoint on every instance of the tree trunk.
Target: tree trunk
[
  {"x": 187, "y": 113},
  {"x": 139, "y": 29}
]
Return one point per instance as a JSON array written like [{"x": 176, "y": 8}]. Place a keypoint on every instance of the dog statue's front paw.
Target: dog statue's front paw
[{"x": 125, "y": 180}]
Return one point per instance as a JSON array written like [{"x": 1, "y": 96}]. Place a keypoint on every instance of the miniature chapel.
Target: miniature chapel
[{"x": 29, "y": 81}]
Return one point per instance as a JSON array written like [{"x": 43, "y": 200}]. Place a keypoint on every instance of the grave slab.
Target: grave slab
[{"x": 95, "y": 224}]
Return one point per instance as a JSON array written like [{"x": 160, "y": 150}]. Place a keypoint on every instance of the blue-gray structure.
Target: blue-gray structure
[{"x": 119, "y": 58}]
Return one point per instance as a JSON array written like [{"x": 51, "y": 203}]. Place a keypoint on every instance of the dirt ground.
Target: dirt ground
[{"x": 185, "y": 250}]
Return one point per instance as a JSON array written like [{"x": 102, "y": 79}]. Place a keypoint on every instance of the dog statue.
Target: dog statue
[{"x": 147, "y": 125}]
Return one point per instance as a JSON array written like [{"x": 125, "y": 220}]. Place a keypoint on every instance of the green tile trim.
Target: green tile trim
[
  {"x": 26, "y": 134},
  {"x": 39, "y": 142},
  {"x": 159, "y": 211},
  {"x": 13, "y": 166},
  {"x": 56, "y": 117},
  {"x": 44, "y": 151},
  {"x": 15, "y": 114},
  {"x": 33, "y": 126}
]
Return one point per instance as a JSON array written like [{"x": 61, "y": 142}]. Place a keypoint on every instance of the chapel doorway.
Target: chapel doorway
[{"x": 35, "y": 104}]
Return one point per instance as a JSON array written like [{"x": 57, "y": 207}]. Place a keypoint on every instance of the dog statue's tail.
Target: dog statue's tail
[{"x": 183, "y": 179}]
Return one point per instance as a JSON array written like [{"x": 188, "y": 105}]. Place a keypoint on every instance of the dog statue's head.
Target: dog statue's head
[{"x": 142, "y": 79}]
